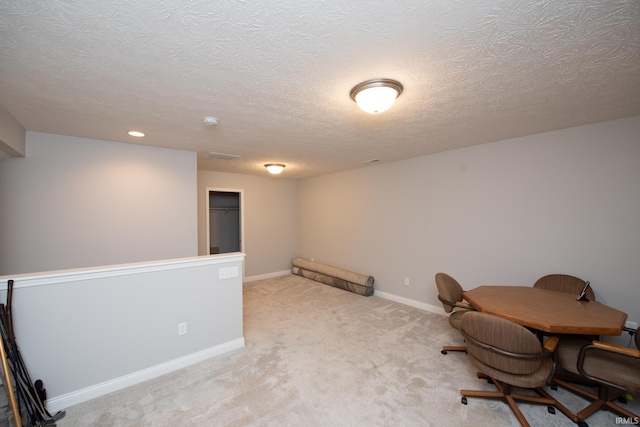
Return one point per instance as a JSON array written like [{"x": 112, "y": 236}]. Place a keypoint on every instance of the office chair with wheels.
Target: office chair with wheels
[
  {"x": 450, "y": 294},
  {"x": 564, "y": 283},
  {"x": 567, "y": 284},
  {"x": 509, "y": 355},
  {"x": 615, "y": 371}
]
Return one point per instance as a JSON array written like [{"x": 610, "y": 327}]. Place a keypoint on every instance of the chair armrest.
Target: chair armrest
[
  {"x": 616, "y": 349},
  {"x": 459, "y": 304},
  {"x": 522, "y": 356},
  {"x": 465, "y": 305},
  {"x": 551, "y": 344},
  {"x": 603, "y": 347}
]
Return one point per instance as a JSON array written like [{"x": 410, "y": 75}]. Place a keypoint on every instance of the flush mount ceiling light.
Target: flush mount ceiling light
[
  {"x": 136, "y": 133},
  {"x": 209, "y": 121},
  {"x": 274, "y": 168},
  {"x": 376, "y": 95}
]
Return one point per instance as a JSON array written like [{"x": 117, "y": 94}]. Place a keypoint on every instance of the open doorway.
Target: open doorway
[{"x": 224, "y": 221}]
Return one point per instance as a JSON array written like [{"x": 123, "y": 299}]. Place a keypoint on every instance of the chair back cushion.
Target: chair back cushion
[
  {"x": 483, "y": 330},
  {"x": 613, "y": 368},
  {"x": 564, "y": 283},
  {"x": 449, "y": 290},
  {"x": 568, "y": 351}
]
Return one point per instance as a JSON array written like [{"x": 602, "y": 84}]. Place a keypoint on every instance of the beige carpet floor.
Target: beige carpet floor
[{"x": 320, "y": 356}]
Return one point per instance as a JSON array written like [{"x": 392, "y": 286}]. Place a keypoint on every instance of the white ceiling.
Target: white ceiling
[{"x": 277, "y": 74}]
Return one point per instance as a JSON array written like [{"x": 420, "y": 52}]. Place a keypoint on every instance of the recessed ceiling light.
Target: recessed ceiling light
[{"x": 136, "y": 133}]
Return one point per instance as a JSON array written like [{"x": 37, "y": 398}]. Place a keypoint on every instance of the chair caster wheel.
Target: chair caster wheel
[
  {"x": 551, "y": 409},
  {"x": 554, "y": 386},
  {"x": 489, "y": 380},
  {"x": 464, "y": 400},
  {"x": 443, "y": 351},
  {"x": 582, "y": 424}
]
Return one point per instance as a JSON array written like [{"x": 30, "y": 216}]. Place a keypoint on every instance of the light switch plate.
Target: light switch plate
[{"x": 228, "y": 272}]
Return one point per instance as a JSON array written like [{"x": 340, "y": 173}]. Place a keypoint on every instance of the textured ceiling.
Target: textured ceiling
[{"x": 277, "y": 74}]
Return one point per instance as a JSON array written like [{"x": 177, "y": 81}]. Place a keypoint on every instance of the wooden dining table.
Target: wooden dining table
[{"x": 547, "y": 311}]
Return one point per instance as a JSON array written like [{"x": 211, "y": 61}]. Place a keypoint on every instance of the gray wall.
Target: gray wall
[
  {"x": 504, "y": 213},
  {"x": 87, "y": 332},
  {"x": 78, "y": 202},
  {"x": 270, "y": 219}
]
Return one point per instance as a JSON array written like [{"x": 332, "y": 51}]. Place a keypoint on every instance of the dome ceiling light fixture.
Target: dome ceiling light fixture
[
  {"x": 274, "y": 168},
  {"x": 376, "y": 95},
  {"x": 136, "y": 133},
  {"x": 209, "y": 121}
]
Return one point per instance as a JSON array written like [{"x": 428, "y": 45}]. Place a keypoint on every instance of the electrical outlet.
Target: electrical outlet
[
  {"x": 631, "y": 325},
  {"x": 182, "y": 328},
  {"x": 406, "y": 281}
]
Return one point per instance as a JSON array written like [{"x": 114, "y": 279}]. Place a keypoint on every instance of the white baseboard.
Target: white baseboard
[
  {"x": 267, "y": 276},
  {"x": 60, "y": 402},
  {"x": 412, "y": 303},
  {"x": 406, "y": 301}
]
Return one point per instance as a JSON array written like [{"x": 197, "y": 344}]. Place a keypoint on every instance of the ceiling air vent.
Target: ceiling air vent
[{"x": 220, "y": 156}]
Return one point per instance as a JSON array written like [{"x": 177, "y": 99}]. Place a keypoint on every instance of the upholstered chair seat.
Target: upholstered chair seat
[{"x": 455, "y": 319}]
